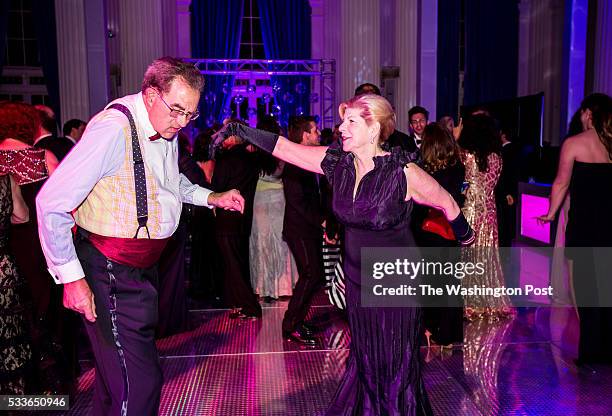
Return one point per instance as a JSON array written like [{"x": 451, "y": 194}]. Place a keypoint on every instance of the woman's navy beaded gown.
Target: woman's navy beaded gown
[{"x": 383, "y": 374}]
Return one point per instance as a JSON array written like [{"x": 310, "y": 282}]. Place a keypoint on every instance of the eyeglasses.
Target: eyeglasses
[{"x": 176, "y": 113}]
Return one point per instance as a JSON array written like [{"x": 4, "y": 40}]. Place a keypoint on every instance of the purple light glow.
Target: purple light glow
[
  {"x": 535, "y": 270},
  {"x": 531, "y": 207}
]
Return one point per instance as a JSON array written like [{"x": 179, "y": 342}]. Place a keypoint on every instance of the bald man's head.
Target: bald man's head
[{"x": 47, "y": 120}]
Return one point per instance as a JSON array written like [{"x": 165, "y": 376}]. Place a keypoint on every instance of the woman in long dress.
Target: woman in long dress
[
  {"x": 440, "y": 155},
  {"x": 15, "y": 350},
  {"x": 53, "y": 368},
  {"x": 273, "y": 269},
  {"x": 373, "y": 193},
  {"x": 481, "y": 157},
  {"x": 585, "y": 170}
]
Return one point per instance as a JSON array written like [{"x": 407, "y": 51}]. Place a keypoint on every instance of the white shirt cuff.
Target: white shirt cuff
[
  {"x": 200, "y": 197},
  {"x": 67, "y": 273}
]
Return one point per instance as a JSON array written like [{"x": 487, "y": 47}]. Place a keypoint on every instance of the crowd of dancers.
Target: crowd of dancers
[{"x": 111, "y": 222}]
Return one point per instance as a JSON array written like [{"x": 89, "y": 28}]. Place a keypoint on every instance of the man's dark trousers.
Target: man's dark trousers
[
  {"x": 309, "y": 262},
  {"x": 128, "y": 374}
]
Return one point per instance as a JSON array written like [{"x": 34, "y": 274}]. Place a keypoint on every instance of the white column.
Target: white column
[
  {"x": 72, "y": 59},
  {"x": 183, "y": 17},
  {"x": 317, "y": 24},
  {"x": 114, "y": 47},
  {"x": 389, "y": 76},
  {"x": 169, "y": 10},
  {"x": 406, "y": 38},
  {"x": 603, "y": 52},
  {"x": 387, "y": 32},
  {"x": 360, "y": 39},
  {"x": 140, "y": 39},
  {"x": 429, "y": 56},
  {"x": 97, "y": 54}
]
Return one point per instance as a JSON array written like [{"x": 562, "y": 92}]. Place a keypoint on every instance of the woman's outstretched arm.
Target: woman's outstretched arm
[
  {"x": 305, "y": 157},
  {"x": 425, "y": 190}
]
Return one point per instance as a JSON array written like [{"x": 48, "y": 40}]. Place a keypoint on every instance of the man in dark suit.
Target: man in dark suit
[
  {"x": 399, "y": 139},
  {"x": 506, "y": 192},
  {"x": 73, "y": 129},
  {"x": 47, "y": 138},
  {"x": 303, "y": 233}
]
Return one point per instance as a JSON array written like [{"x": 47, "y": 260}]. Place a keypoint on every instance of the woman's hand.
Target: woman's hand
[
  {"x": 260, "y": 138},
  {"x": 545, "y": 219}
]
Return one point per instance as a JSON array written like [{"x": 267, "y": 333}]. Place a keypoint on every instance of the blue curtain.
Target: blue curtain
[
  {"x": 447, "y": 93},
  {"x": 43, "y": 13},
  {"x": 286, "y": 33},
  {"x": 491, "y": 50},
  {"x": 4, "y": 8},
  {"x": 215, "y": 34}
]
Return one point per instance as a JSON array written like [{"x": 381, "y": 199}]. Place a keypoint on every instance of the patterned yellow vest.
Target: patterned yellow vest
[{"x": 110, "y": 208}]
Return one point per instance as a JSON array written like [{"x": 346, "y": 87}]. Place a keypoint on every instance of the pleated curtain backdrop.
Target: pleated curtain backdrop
[
  {"x": 447, "y": 90},
  {"x": 491, "y": 50},
  {"x": 215, "y": 34},
  {"x": 4, "y": 8},
  {"x": 43, "y": 13}
]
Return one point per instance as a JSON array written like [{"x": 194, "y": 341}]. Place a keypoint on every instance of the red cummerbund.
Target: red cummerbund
[{"x": 141, "y": 253}]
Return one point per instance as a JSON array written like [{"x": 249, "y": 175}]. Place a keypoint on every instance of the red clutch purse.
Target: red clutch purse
[{"x": 436, "y": 223}]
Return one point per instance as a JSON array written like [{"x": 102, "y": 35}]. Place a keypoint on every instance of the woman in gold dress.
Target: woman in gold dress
[{"x": 481, "y": 147}]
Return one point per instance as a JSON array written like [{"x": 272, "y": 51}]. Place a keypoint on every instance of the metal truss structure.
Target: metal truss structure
[{"x": 321, "y": 71}]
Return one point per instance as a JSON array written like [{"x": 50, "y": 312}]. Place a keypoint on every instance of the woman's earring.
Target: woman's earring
[{"x": 372, "y": 140}]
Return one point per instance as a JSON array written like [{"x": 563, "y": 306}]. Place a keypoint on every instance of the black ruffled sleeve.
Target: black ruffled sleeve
[{"x": 332, "y": 156}]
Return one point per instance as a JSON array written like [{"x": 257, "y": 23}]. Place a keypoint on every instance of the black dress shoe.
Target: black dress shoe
[
  {"x": 582, "y": 362},
  {"x": 249, "y": 315},
  {"x": 306, "y": 330},
  {"x": 300, "y": 338},
  {"x": 310, "y": 329}
]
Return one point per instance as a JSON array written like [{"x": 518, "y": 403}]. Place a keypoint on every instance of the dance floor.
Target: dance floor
[{"x": 244, "y": 367}]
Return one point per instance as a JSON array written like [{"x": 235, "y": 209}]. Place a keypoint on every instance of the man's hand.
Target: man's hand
[
  {"x": 230, "y": 200},
  {"x": 509, "y": 200},
  {"x": 78, "y": 297}
]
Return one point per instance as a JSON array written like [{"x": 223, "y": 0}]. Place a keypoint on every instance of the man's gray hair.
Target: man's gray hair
[{"x": 163, "y": 71}]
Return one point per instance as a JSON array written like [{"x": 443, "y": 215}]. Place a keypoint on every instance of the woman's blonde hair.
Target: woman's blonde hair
[{"x": 372, "y": 108}]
